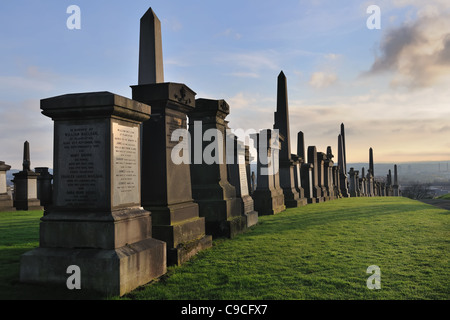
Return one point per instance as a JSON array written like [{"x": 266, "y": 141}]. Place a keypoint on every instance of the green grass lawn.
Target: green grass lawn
[
  {"x": 319, "y": 251},
  {"x": 445, "y": 196}
]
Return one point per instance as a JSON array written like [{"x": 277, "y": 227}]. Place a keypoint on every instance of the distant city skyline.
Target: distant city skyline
[{"x": 389, "y": 86}]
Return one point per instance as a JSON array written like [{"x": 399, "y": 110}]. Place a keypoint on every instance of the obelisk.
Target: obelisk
[
  {"x": 166, "y": 187},
  {"x": 371, "y": 170},
  {"x": 287, "y": 177},
  {"x": 151, "y": 69},
  {"x": 395, "y": 186},
  {"x": 25, "y": 184},
  {"x": 341, "y": 165},
  {"x": 344, "y": 154}
]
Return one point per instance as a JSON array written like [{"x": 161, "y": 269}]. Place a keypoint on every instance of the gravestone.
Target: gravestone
[
  {"x": 216, "y": 197},
  {"x": 336, "y": 182},
  {"x": 287, "y": 167},
  {"x": 96, "y": 221},
  {"x": 312, "y": 159},
  {"x": 328, "y": 173},
  {"x": 268, "y": 200},
  {"x": 237, "y": 173},
  {"x": 353, "y": 183},
  {"x": 44, "y": 186},
  {"x": 166, "y": 186},
  {"x": 321, "y": 157},
  {"x": 298, "y": 177},
  {"x": 248, "y": 160},
  {"x": 6, "y": 203},
  {"x": 305, "y": 169},
  {"x": 25, "y": 184},
  {"x": 395, "y": 187},
  {"x": 363, "y": 183},
  {"x": 253, "y": 182}
]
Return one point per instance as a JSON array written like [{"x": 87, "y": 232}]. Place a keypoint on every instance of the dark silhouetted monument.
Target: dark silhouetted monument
[
  {"x": 286, "y": 171},
  {"x": 25, "y": 184},
  {"x": 343, "y": 182},
  {"x": 312, "y": 159},
  {"x": 268, "y": 199},
  {"x": 306, "y": 174},
  {"x": 216, "y": 197},
  {"x": 166, "y": 186}
]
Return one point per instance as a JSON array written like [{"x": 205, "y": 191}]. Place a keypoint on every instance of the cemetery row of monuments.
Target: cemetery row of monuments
[{"x": 122, "y": 210}]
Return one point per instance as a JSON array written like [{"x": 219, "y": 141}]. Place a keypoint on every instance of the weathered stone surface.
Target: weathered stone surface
[{"x": 96, "y": 221}]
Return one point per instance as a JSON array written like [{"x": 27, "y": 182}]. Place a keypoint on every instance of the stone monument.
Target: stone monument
[
  {"x": 395, "y": 187},
  {"x": 306, "y": 174},
  {"x": 166, "y": 186},
  {"x": 25, "y": 184},
  {"x": 216, "y": 197},
  {"x": 237, "y": 173},
  {"x": 286, "y": 172},
  {"x": 312, "y": 159},
  {"x": 6, "y": 203},
  {"x": 44, "y": 186},
  {"x": 267, "y": 198},
  {"x": 342, "y": 165},
  {"x": 96, "y": 221}
]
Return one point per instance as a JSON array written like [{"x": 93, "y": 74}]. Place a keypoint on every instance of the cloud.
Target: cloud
[
  {"x": 417, "y": 53},
  {"x": 321, "y": 80}
]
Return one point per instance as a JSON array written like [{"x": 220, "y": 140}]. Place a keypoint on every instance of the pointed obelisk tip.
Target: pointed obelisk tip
[
  {"x": 281, "y": 75},
  {"x": 150, "y": 13}
]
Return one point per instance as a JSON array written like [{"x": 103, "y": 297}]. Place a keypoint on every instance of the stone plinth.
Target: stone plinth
[
  {"x": 96, "y": 221},
  {"x": 6, "y": 203},
  {"x": 166, "y": 185},
  {"x": 216, "y": 197},
  {"x": 44, "y": 186},
  {"x": 316, "y": 189},
  {"x": 25, "y": 185},
  {"x": 268, "y": 198}
]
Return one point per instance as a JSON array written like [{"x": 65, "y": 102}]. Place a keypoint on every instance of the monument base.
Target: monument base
[
  {"x": 228, "y": 228},
  {"x": 268, "y": 202},
  {"x": 6, "y": 203},
  {"x": 110, "y": 272},
  {"x": 180, "y": 226},
  {"x": 247, "y": 205},
  {"x": 26, "y": 205},
  {"x": 311, "y": 200},
  {"x": 184, "y": 251},
  {"x": 292, "y": 200}
]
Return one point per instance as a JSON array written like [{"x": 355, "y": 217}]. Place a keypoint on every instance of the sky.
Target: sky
[{"x": 389, "y": 86}]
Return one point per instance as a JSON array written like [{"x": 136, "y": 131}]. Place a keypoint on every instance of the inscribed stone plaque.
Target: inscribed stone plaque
[
  {"x": 81, "y": 164},
  {"x": 3, "y": 182},
  {"x": 125, "y": 172},
  {"x": 32, "y": 188},
  {"x": 243, "y": 175}
]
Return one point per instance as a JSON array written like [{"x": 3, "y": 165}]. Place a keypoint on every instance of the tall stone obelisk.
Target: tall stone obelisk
[
  {"x": 395, "y": 187},
  {"x": 166, "y": 186},
  {"x": 287, "y": 166},
  {"x": 342, "y": 165},
  {"x": 151, "y": 68}
]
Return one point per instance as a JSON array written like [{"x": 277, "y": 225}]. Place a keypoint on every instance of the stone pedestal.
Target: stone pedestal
[
  {"x": 307, "y": 182},
  {"x": 336, "y": 182},
  {"x": 328, "y": 173},
  {"x": 6, "y": 203},
  {"x": 216, "y": 197},
  {"x": 25, "y": 185},
  {"x": 166, "y": 185},
  {"x": 237, "y": 173},
  {"x": 44, "y": 186},
  {"x": 96, "y": 221},
  {"x": 267, "y": 197},
  {"x": 321, "y": 158},
  {"x": 316, "y": 189}
]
